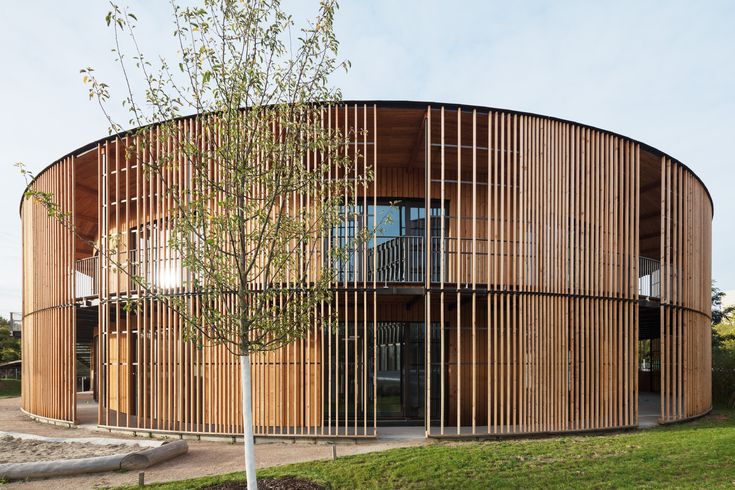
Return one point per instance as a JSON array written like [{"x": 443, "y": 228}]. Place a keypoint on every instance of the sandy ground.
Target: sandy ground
[
  {"x": 14, "y": 450},
  {"x": 204, "y": 457}
]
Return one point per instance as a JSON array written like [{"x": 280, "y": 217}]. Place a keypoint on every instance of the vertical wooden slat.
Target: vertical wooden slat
[
  {"x": 442, "y": 273},
  {"x": 458, "y": 272},
  {"x": 473, "y": 271},
  {"x": 427, "y": 272}
]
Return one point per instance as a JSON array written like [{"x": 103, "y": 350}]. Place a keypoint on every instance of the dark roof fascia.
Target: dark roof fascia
[{"x": 403, "y": 104}]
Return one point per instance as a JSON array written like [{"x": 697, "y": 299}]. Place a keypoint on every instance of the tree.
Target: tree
[
  {"x": 723, "y": 350},
  {"x": 720, "y": 314},
  {"x": 250, "y": 226},
  {"x": 9, "y": 345}
]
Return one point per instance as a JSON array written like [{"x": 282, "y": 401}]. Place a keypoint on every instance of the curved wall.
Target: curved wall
[
  {"x": 49, "y": 331},
  {"x": 531, "y": 305},
  {"x": 686, "y": 271},
  {"x": 547, "y": 317}
]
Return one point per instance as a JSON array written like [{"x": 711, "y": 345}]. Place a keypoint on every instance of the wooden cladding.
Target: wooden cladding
[
  {"x": 516, "y": 270},
  {"x": 49, "y": 329},
  {"x": 541, "y": 303},
  {"x": 157, "y": 375},
  {"x": 686, "y": 276}
]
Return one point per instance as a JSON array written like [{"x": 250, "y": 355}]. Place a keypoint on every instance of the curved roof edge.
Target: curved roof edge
[{"x": 405, "y": 104}]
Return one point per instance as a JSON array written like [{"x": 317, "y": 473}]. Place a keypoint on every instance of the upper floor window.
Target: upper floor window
[
  {"x": 394, "y": 249},
  {"x": 390, "y": 218}
]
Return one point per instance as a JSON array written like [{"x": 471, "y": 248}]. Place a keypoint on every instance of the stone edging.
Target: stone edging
[{"x": 48, "y": 420}]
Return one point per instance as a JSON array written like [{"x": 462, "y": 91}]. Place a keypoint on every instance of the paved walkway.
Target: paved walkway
[
  {"x": 204, "y": 457},
  {"x": 648, "y": 409}
]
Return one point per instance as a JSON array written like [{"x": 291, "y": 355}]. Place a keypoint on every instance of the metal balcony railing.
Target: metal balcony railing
[
  {"x": 397, "y": 259},
  {"x": 154, "y": 266},
  {"x": 402, "y": 259},
  {"x": 86, "y": 277},
  {"x": 649, "y": 277}
]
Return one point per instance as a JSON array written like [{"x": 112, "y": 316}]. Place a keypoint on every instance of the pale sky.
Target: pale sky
[{"x": 659, "y": 72}]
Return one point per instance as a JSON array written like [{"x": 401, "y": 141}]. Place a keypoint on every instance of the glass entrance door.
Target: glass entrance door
[
  {"x": 401, "y": 371},
  {"x": 390, "y": 345}
]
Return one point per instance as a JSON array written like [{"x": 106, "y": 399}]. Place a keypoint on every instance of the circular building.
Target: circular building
[{"x": 537, "y": 275}]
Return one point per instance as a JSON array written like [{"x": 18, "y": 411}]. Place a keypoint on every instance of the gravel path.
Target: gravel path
[{"x": 204, "y": 458}]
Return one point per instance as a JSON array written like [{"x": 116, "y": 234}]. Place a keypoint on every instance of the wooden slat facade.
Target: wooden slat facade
[
  {"x": 49, "y": 329},
  {"x": 544, "y": 289},
  {"x": 528, "y": 295},
  {"x": 685, "y": 310}
]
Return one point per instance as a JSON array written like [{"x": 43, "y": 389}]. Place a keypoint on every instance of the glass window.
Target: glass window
[{"x": 398, "y": 246}]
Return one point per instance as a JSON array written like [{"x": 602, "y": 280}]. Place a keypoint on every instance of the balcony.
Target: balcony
[
  {"x": 401, "y": 260},
  {"x": 86, "y": 278},
  {"x": 397, "y": 259},
  {"x": 157, "y": 266},
  {"x": 649, "y": 278}
]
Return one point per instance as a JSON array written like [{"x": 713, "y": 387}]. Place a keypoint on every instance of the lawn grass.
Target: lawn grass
[
  {"x": 9, "y": 388},
  {"x": 698, "y": 454}
]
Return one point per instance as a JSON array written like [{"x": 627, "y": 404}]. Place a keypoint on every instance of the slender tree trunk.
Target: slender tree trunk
[{"x": 247, "y": 420}]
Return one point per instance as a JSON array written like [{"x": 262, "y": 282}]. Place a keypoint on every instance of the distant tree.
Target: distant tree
[
  {"x": 723, "y": 350},
  {"x": 9, "y": 345},
  {"x": 720, "y": 315}
]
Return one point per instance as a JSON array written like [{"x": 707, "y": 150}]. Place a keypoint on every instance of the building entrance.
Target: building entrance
[{"x": 401, "y": 372}]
